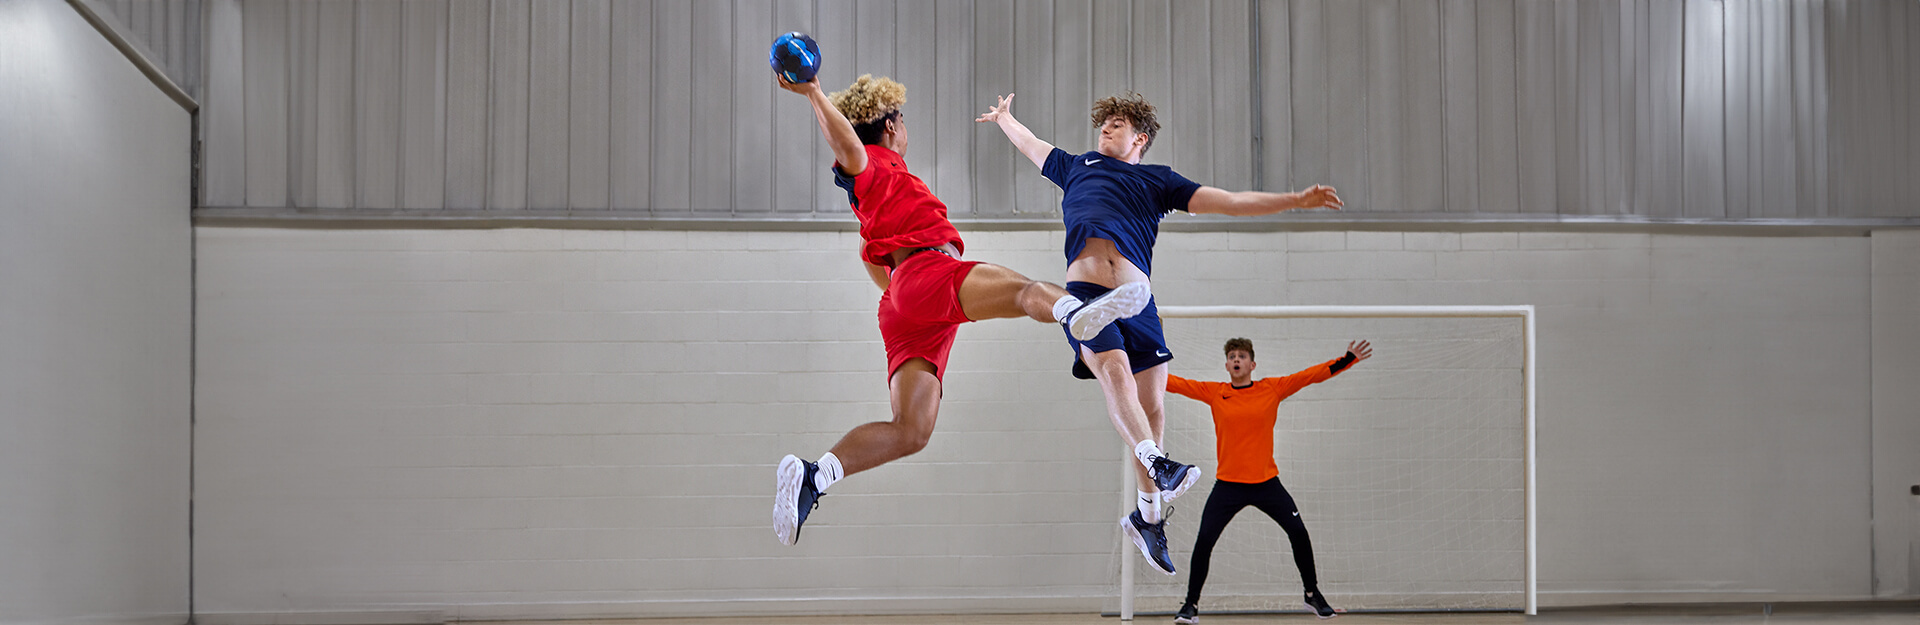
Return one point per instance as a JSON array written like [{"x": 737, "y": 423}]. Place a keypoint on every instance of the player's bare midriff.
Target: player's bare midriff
[{"x": 1101, "y": 263}]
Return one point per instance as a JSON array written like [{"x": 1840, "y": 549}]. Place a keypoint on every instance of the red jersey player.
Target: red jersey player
[{"x": 913, "y": 253}]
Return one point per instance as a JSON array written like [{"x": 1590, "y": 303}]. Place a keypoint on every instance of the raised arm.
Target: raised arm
[
  {"x": 1023, "y": 139},
  {"x": 1250, "y": 203},
  {"x": 1356, "y": 352},
  {"x": 847, "y": 149}
]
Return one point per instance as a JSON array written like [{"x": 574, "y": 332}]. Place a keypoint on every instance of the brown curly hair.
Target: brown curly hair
[
  {"x": 1243, "y": 345},
  {"x": 1133, "y": 108}
]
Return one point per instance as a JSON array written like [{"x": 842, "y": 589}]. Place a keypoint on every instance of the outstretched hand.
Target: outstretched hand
[
  {"x": 1320, "y": 196},
  {"x": 994, "y": 113},
  {"x": 1361, "y": 350}
]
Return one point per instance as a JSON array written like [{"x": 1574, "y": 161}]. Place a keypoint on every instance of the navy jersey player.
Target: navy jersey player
[{"x": 1112, "y": 205}]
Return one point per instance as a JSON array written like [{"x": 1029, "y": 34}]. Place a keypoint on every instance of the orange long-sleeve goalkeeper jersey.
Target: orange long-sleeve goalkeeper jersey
[{"x": 1243, "y": 419}]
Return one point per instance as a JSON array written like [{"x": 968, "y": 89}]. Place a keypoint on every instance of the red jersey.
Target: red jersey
[
  {"x": 1243, "y": 419},
  {"x": 895, "y": 208}
]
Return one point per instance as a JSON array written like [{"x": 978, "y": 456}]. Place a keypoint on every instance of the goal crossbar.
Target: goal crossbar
[{"x": 1523, "y": 312}]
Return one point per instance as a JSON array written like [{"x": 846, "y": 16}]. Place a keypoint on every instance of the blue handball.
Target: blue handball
[{"x": 795, "y": 56}]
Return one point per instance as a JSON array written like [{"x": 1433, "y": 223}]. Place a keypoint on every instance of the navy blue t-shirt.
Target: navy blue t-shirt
[{"x": 1111, "y": 199}]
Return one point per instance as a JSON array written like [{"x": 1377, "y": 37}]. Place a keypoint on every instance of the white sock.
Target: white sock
[
  {"x": 1146, "y": 451},
  {"x": 1149, "y": 504},
  {"x": 830, "y": 472},
  {"x": 1064, "y": 306}
]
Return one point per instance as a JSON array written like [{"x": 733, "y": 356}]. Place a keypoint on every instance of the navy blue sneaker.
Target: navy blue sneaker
[
  {"x": 1151, "y": 538},
  {"x": 793, "y": 497},
  {"x": 1173, "y": 478},
  {"x": 1318, "y": 603}
]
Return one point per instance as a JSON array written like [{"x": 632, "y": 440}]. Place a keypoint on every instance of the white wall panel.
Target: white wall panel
[
  {"x": 1569, "y": 162},
  {"x": 589, "y": 118},
  {"x": 916, "y": 64},
  {"x": 1348, "y": 69},
  {"x": 1896, "y": 460},
  {"x": 1459, "y": 85},
  {"x": 1777, "y": 150},
  {"x": 1743, "y": 82},
  {"x": 1534, "y": 104},
  {"x": 753, "y": 107},
  {"x": 469, "y": 71},
  {"x": 994, "y": 159},
  {"x": 1385, "y": 128},
  {"x": 223, "y": 105},
  {"x": 1496, "y": 103},
  {"x": 713, "y": 120},
  {"x": 1151, "y": 61},
  {"x": 1034, "y": 85},
  {"x": 376, "y": 93},
  {"x": 672, "y": 86},
  {"x": 303, "y": 109},
  {"x": 952, "y": 176},
  {"x": 1705, "y": 113},
  {"x": 1695, "y": 109},
  {"x": 508, "y": 117},
  {"x": 1273, "y": 39},
  {"x": 1187, "y": 118},
  {"x": 264, "y": 157},
  {"x": 874, "y": 27},
  {"x": 1311, "y": 157},
  {"x": 1111, "y": 52},
  {"x": 334, "y": 132},
  {"x": 96, "y": 350},
  {"x": 1422, "y": 146},
  {"x": 474, "y": 466},
  {"x": 549, "y": 102},
  {"x": 1230, "y": 41},
  {"x": 630, "y": 140},
  {"x": 797, "y": 169},
  {"x": 423, "y": 104},
  {"x": 1662, "y": 152}
]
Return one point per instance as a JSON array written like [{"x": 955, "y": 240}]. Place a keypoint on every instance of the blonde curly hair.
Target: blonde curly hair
[
  {"x": 869, "y": 98},
  {"x": 1135, "y": 109}
]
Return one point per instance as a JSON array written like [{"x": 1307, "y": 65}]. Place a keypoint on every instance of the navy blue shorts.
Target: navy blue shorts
[{"x": 1140, "y": 335}]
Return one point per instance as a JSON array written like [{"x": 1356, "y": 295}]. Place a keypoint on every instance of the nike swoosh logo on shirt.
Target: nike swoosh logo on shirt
[{"x": 1091, "y": 161}]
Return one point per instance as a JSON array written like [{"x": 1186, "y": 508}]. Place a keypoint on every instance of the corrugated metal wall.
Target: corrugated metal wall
[
  {"x": 169, "y": 29},
  {"x": 1454, "y": 108}
]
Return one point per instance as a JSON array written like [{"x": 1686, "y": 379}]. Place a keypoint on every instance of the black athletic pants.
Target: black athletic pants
[{"x": 1227, "y": 500}]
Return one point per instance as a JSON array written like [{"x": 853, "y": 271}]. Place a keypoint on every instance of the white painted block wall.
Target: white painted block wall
[
  {"x": 557, "y": 423},
  {"x": 95, "y": 330},
  {"x": 1896, "y": 413}
]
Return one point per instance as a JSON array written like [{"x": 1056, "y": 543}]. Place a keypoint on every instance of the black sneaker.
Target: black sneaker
[
  {"x": 1173, "y": 478},
  {"x": 793, "y": 497},
  {"x": 1318, "y": 603},
  {"x": 1151, "y": 538},
  {"x": 1188, "y": 615}
]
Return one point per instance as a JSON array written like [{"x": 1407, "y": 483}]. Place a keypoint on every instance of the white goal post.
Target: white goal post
[{"x": 1523, "y": 315}]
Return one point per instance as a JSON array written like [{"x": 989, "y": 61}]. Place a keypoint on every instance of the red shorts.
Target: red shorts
[{"x": 920, "y": 311}]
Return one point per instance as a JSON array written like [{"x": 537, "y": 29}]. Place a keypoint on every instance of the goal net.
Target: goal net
[{"x": 1412, "y": 470}]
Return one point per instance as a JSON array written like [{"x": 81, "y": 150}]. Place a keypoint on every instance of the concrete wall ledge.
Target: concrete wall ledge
[{"x": 364, "y": 219}]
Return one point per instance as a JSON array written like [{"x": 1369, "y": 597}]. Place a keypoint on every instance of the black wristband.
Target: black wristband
[{"x": 1342, "y": 363}]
